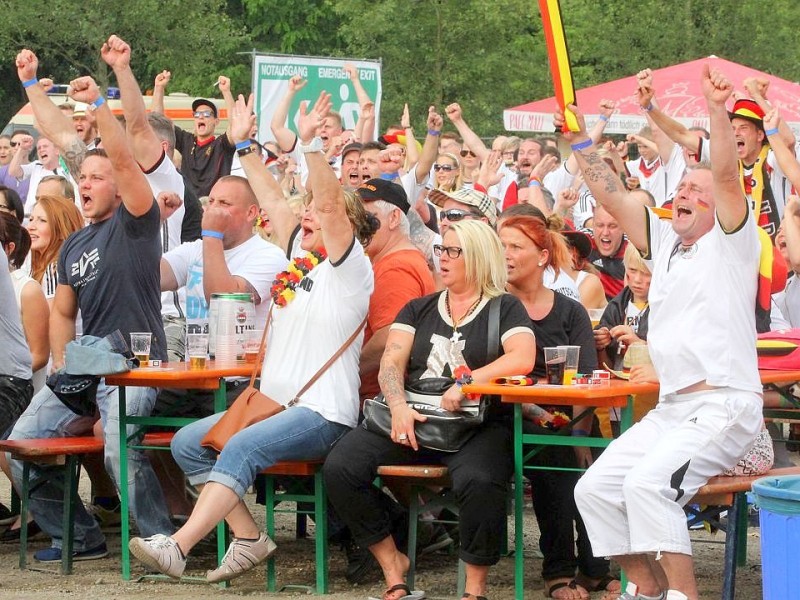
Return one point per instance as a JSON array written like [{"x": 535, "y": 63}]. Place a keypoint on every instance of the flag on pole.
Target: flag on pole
[{"x": 558, "y": 53}]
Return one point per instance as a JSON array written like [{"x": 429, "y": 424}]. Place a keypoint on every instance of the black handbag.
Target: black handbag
[{"x": 444, "y": 430}]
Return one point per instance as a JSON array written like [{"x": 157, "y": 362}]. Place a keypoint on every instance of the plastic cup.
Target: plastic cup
[
  {"x": 252, "y": 344},
  {"x": 595, "y": 314},
  {"x": 197, "y": 350},
  {"x": 140, "y": 346},
  {"x": 555, "y": 359},
  {"x": 636, "y": 354},
  {"x": 572, "y": 354}
]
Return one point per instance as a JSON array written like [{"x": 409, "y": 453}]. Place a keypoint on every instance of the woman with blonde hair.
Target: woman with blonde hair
[
  {"x": 53, "y": 219},
  {"x": 447, "y": 173},
  {"x": 444, "y": 334}
]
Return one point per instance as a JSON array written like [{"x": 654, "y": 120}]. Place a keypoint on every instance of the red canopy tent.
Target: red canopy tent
[{"x": 677, "y": 92}]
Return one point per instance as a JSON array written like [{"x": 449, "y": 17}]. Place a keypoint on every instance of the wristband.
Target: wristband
[
  {"x": 244, "y": 151},
  {"x": 433, "y": 132},
  {"x": 97, "y": 103},
  {"x": 243, "y": 144},
  {"x": 30, "y": 82},
  {"x": 580, "y": 433},
  {"x": 769, "y": 132},
  {"x": 534, "y": 182},
  {"x": 389, "y": 176},
  {"x": 649, "y": 107},
  {"x": 212, "y": 234},
  {"x": 604, "y": 118},
  {"x": 581, "y": 145}
]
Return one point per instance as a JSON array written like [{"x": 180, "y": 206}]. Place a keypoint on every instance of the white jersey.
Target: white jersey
[
  {"x": 702, "y": 307},
  {"x": 787, "y": 304},
  {"x": 256, "y": 260},
  {"x": 564, "y": 284},
  {"x": 35, "y": 172},
  {"x": 329, "y": 304}
]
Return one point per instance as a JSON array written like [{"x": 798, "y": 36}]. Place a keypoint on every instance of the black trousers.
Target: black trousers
[
  {"x": 480, "y": 472},
  {"x": 558, "y": 516}
]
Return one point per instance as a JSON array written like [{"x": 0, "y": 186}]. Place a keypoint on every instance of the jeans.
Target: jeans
[
  {"x": 47, "y": 416},
  {"x": 297, "y": 433}
]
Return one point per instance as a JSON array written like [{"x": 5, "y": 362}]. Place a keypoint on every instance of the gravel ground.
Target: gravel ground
[{"x": 295, "y": 562}]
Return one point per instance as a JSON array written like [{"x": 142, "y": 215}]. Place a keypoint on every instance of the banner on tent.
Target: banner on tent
[{"x": 271, "y": 74}]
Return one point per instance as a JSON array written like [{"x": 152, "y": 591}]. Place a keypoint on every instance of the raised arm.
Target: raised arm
[
  {"x": 134, "y": 189},
  {"x": 365, "y": 126},
  {"x": 337, "y": 231},
  {"x": 675, "y": 131},
  {"x": 225, "y": 89},
  {"x": 757, "y": 88},
  {"x": 145, "y": 144},
  {"x": 731, "y": 204},
  {"x": 159, "y": 88},
  {"x": 791, "y": 229},
  {"x": 471, "y": 139},
  {"x": 412, "y": 153},
  {"x": 786, "y": 159},
  {"x": 606, "y": 109},
  {"x": 285, "y": 137},
  {"x": 24, "y": 147},
  {"x": 265, "y": 187},
  {"x": 53, "y": 124},
  {"x": 430, "y": 148},
  {"x": 605, "y": 186}
]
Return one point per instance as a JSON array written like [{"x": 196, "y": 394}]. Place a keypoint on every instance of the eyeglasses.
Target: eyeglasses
[
  {"x": 452, "y": 251},
  {"x": 466, "y": 153},
  {"x": 203, "y": 114},
  {"x": 14, "y": 144},
  {"x": 445, "y": 168},
  {"x": 454, "y": 214}
]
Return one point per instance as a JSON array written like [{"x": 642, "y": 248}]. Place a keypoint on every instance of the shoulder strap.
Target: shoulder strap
[
  {"x": 260, "y": 357},
  {"x": 331, "y": 360},
  {"x": 493, "y": 340}
]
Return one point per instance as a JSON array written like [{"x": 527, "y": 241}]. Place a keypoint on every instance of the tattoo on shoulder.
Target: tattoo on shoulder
[{"x": 73, "y": 154}]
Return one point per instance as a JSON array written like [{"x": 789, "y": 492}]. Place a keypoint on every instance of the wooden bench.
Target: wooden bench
[
  {"x": 64, "y": 452},
  {"x": 731, "y": 492},
  {"x": 318, "y": 501}
]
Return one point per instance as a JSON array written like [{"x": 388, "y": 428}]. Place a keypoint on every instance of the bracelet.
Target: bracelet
[
  {"x": 97, "y": 103},
  {"x": 212, "y": 234},
  {"x": 243, "y": 144},
  {"x": 30, "y": 82},
  {"x": 244, "y": 151},
  {"x": 433, "y": 132},
  {"x": 649, "y": 107},
  {"x": 604, "y": 118},
  {"x": 769, "y": 132},
  {"x": 535, "y": 182},
  {"x": 389, "y": 176},
  {"x": 580, "y": 433},
  {"x": 581, "y": 145}
]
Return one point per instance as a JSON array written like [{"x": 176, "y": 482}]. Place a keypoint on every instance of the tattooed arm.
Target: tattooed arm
[
  {"x": 391, "y": 378},
  {"x": 606, "y": 186}
]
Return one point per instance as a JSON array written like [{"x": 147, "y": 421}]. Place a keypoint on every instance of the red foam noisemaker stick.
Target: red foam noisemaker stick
[{"x": 558, "y": 53}]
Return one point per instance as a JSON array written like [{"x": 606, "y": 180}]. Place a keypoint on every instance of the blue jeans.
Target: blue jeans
[
  {"x": 47, "y": 416},
  {"x": 297, "y": 433}
]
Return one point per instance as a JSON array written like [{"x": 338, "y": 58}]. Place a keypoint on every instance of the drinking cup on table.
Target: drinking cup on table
[
  {"x": 140, "y": 346},
  {"x": 252, "y": 344},
  {"x": 572, "y": 354},
  {"x": 197, "y": 350},
  {"x": 555, "y": 359}
]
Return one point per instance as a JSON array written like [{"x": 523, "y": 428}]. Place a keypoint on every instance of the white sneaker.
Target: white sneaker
[
  {"x": 675, "y": 595},
  {"x": 242, "y": 555},
  {"x": 161, "y": 553},
  {"x": 632, "y": 593}
]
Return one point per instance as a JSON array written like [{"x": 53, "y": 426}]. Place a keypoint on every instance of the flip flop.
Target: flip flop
[
  {"x": 600, "y": 586},
  {"x": 561, "y": 584},
  {"x": 415, "y": 595}
]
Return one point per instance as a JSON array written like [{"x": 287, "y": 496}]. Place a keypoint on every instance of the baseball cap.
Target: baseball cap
[
  {"x": 578, "y": 240},
  {"x": 380, "y": 189},
  {"x": 469, "y": 197},
  {"x": 351, "y": 147},
  {"x": 79, "y": 110},
  {"x": 744, "y": 108},
  {"x": 203, "y": 102}
]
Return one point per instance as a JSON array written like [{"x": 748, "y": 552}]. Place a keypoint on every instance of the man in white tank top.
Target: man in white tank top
[{"x": 702, "y": 341}]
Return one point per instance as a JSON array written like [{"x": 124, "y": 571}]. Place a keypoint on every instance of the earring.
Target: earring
[{"x": 541, "y": 264}]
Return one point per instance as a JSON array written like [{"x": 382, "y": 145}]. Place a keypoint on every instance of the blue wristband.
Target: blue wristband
[
  {"x": 649, "y": 107},
  {"x": 534, "y": 183},
  {"x": 389, "y": 176},
  {"x": 30, "y": 82},
  {"x": 604, "y": 118},
  {"x": 773, "y": 131},
  {"x": 98, "y": 103},
  {"x": 581, "y": 145},
  {"x": 212, "y": 234},
  {"x": 243, "y": 144},
  {"x": 433, "y": 132}
]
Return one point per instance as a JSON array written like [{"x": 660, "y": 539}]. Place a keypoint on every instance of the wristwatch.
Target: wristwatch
[{"x": 314, "y": 145}]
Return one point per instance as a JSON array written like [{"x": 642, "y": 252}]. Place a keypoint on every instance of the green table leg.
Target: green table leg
[
  {"x": 321, "y": 533},
  {"x": 125, "y": 528},
  {"x": 519, "y": 506},
  {"x": 23, "y": 515}
]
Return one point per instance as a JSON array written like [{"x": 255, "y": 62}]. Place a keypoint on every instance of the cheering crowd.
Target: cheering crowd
[{"x": 442, "y": 258}]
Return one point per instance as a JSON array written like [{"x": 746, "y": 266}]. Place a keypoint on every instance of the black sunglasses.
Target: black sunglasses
[
  {"x": 466, "y": 153},
  {"x": 446, "y": 168},
  {"x": 455, "y": 214},
  {"x": 452, "y": 251}
]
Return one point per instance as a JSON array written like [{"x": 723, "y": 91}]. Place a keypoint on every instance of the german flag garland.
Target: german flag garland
[{"x": 284, "y": 285}]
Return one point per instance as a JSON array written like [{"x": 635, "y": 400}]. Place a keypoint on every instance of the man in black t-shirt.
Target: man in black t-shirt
[{"x": 110, "y": 272}]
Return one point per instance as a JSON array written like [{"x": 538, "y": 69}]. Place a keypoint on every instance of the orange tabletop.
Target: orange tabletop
[
  {"x": 614, "y": 393},
  {"x": 179, "y": 375},
  {"x": 770, "y": 376}
]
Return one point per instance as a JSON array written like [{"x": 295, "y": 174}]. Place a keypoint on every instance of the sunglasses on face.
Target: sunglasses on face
[
  {"x": 446, "y": 168},
  {"x": 14, "y": 144},
  {"x": 452, "y": 251},
  {"x": 453, "y": 215},
  {"x": 466, "y": 153},
  {"x": 203, "y": 114}
]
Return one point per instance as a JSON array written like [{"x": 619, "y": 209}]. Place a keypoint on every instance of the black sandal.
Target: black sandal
[
  {"x": 561, "y": 584},
  {"x": 600, "y": 586}
]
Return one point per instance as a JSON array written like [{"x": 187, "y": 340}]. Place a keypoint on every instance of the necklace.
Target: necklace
[
  {"x": 454, "y": 339},
  {"x": 285, "y": 282}
]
